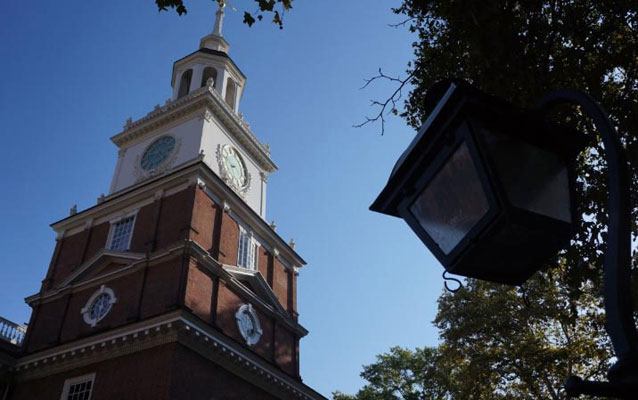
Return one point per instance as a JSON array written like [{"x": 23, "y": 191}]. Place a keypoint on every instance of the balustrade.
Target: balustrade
[{"x": 12, "y": 332}]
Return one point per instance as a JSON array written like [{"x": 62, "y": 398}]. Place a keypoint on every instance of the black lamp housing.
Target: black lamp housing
[{"x": 487, "y": 187}]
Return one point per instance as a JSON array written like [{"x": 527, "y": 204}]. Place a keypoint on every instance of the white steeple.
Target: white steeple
[
  {"x": 215, "y": 40},
  {"x": 219, "y": 19}
]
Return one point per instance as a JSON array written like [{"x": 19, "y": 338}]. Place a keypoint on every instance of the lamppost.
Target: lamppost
[{"x": 490, "y": 190}]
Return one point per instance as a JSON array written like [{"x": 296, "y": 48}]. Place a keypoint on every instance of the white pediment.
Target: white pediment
[
  {"x": 100, "y": 263},
  {"x": 255, "y": 281}
]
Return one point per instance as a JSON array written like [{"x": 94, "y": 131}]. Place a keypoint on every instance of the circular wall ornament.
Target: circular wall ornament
[
  {"x": 157, "y": 152},
  {"x": 248, "y": 324},
  {"x": 98, "y": 305}
]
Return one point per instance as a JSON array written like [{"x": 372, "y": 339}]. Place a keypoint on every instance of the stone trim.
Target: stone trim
[
  {"x": 174, "y": 327},
  {"x": 208, "y": 98},
  {"x": 143, "y": 194},
  {"x": 205, "y": 260}
]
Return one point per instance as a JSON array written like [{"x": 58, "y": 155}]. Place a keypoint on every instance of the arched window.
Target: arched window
[
  {"x": 209, "y": 72},
  {"x": 230, "y": 92},
  {"x": 185, "y": 83}
]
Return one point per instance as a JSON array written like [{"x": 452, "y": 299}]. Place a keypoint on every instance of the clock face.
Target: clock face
[
  {"x": 234, "y": 166},
  {"x": 157, "y": 152}
]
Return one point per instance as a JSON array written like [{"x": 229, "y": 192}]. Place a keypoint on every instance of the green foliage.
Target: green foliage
[
  {"x": 498, "y": 342},
  {"x": 403, "y": 374},
  {"x": 501, "y": 342},
  {"x": 276, "y": 7}
]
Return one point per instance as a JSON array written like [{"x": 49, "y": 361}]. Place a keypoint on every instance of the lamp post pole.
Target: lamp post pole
[{"x": 623, "y": 376}]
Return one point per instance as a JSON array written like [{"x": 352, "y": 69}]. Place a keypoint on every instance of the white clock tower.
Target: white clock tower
[
  {"x": 176, "y": 268},
  {"x": 200, "y": 122}
]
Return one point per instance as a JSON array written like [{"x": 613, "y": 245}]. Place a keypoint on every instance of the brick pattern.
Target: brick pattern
[
  {"x": 141, "y": 375},
  {"x": 178, "y": 281},
  {"x": 194, "y": 377}
]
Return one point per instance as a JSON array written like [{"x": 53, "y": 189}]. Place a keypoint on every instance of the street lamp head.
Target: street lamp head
[{"x": 488, "y": 188}]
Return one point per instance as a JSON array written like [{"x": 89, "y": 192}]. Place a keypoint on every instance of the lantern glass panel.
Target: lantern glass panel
[
  {"x": 453, "y": 202},
  {"x": 534, "y": 179}
]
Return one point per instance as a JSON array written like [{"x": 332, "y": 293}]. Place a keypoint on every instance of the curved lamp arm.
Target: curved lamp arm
[{"x": 617, "y": 265}]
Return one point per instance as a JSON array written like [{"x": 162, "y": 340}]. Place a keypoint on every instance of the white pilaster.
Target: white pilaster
[
  {"x": 224, "y": 77},
  {"x": 196, "y": 80}
]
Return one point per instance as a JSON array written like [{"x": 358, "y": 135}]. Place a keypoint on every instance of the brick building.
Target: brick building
[{"x": 173, "y": 286}]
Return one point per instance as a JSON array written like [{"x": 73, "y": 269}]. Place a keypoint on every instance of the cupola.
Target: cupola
[{"x": 211, "y": 61}]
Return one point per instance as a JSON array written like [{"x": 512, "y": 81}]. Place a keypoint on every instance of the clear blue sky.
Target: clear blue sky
[{"x": 73, "y": 71}]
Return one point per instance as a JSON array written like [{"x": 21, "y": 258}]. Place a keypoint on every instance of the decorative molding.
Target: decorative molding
[
  {"x": 141, "y": 194},
  {"x": 192, "y": 103},
  {"x": 87, "y": 311},
  {"x": 174, "y": 327},
  {"x": 248, "y": 324},
  {"x": 158, "y": 194},
  {"x": 124, "y": 256},
  {"x": 264, "y": 176},
  {"x": 249, "y": 284},
  {"x": 206, "y": 115},
  {"x": 196, "y": 181}
]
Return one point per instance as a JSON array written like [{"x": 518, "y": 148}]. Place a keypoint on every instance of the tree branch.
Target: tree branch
[
  {"x": 390, "y": 102},
  {"x": 402, "y": 23}
]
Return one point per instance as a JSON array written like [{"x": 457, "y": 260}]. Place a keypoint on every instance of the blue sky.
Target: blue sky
[{"x": 74, "y": 71}]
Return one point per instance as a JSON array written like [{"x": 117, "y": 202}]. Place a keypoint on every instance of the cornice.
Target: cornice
[
  {"x": 193, "y": 172},
  {"x": 168, "y": 252},
  {"x": 235, "y": 206},
  {"x": 221, "y": 270},
  {"x": 102, "y": 255},
  {"x": 205, "y": 102},
  {"x": 204, "y": 259},
  {"x": 177, "y": 326}
]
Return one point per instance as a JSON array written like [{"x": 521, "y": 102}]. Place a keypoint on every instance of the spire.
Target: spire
[
  {"x": 215, "y": 40},
  {"x": 219, "y": 19}
]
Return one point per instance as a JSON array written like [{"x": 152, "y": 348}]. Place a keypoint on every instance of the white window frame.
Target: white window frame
[
  {"x": 252, "y": 337},
  {"x": 252, "y": 258},
  {"x": 77, "y": 380},
  {"x": 114, "y": 223},
  {"x": 86, "y": 310}
]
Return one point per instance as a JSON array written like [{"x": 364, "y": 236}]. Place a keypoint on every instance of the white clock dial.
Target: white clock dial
[{"x": 234, "y": 167}]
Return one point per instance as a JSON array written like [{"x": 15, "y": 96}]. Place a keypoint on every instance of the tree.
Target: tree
[
  {"x": 498, "y": 343},
  {"x": 515, "y": 343},
  {"x": 276, "y": 7},
  {"x": 403, "y": 374}
]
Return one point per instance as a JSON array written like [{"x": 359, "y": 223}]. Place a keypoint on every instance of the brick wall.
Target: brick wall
[
  {"x": 142, "y": 375},
  {"x": 161, "y": 287}
]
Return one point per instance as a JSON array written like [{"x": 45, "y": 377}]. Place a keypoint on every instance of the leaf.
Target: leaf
[{"x": 248, "y": 19}]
